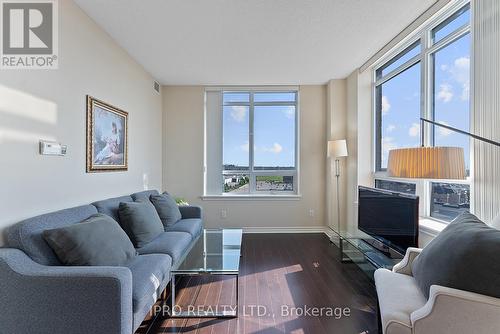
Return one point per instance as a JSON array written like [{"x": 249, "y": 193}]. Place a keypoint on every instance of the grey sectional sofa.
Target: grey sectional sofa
[{"x": 39, "y": 295}]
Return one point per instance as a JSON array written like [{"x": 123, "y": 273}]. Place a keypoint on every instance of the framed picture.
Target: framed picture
[{"x": 107, "y": 143}]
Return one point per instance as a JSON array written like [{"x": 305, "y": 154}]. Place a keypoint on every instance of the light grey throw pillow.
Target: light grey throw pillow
[
  {"x": 167, "y": 209},
  {"x": 97, "y": 241},
  {"x": 463, "y": 256},
  {"x": 141, "y": 222}
]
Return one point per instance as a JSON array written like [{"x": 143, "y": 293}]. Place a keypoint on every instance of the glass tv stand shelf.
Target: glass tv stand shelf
[{"x": 367, "y": 252}]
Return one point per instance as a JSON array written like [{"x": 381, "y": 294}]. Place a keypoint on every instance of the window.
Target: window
[
  {"x": 429, "y": 78},
  {"x": 451, "y": 94},
  {"x": 259, "y": 142},
  {"x": 401, "y": 187},
  {"x": 449, "y": 200},
  {"x": 398, "y": 113}
]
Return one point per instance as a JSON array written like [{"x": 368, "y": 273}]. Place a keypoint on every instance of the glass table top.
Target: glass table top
[{"x": 215, "y": 251}]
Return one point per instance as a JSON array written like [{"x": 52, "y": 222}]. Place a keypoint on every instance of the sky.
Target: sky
[
  {"x": 401, "y": 98},
  {"x": 274, "y": 132}
]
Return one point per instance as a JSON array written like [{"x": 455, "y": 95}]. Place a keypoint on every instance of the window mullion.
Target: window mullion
[
  {"x": 427, "y": 85},
  {"x": 251, "y": 146}
]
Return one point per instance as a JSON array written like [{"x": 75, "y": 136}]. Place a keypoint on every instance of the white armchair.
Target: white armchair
[{"x": 405, "y": 310}]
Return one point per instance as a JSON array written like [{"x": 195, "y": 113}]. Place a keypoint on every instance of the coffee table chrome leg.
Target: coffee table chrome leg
[
  {"x": 172, "y": 295},
  {"x": 237, "y": 293}
]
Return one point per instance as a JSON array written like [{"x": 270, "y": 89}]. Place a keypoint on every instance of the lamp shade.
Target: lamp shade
[
  {"x": 337, "y": 148},
  {"x": 427, "y": 163}
]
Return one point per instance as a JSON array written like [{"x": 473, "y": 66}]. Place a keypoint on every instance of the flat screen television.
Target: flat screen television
[{"x": 390, "y": 217}]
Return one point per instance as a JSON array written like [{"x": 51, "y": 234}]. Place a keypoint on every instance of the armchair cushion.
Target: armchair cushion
[
  {"x": 399, "y": 297},
  {"x": 462, "y": 257},
  {"x": 97, "y": 241},
  {"x": 167, "y": 209}
]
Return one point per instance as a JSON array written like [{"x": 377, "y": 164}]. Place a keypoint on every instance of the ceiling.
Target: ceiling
[{"x": 252, "y": 42}]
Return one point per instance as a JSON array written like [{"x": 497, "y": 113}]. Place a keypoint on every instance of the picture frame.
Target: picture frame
[{"x": 107, "y": 137}]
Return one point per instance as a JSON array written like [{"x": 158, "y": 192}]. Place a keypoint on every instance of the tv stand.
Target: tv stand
[
  {"x": 383, "y": 248},
  {"x": 368, "y": 253}
]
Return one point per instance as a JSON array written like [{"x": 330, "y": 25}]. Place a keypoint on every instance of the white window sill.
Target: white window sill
[
  {"x": 431, "y": 226},
  {"x": 253, "y": 197}
]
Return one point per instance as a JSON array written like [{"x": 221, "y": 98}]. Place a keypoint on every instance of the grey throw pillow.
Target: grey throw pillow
[
  {"x": 97, "y": 241},
  {"x": 463, "y": 256},
  {"x": 167, "y": 209},
  {"x": 141, "y": 222}
]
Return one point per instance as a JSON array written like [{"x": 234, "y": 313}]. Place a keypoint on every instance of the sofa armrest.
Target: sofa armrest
[
  {"x": 63, "y": 299},
  {"x": 405, "y": 266},
  {"x": 190, "y": 211},
  {"x": 456, "y": 311}
]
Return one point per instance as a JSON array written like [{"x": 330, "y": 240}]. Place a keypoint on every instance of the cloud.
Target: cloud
[
  {"x": 276, "y": 148},
  {"x": 463, "y": 63},
  {"x": 239, "y": 113},
  {"x": 386, "y": 105},
  {"x": 460, "y": 73},
  {"x": 245, "y": 147},
  {"x": 465, "y": 92},
  {"x": 390, "y": 128},
  {"x": 387, "y": 145},
  {"x": 445, "y": 93},
  {"x": 414, "y": 130},
  {"x": 443, "y": 132},
  {"x": 289, "y": 112}
]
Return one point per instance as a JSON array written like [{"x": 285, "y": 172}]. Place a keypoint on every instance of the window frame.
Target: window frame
[
  {"x": 253, "y": 173},
  {"x": 426, "y": 58}
]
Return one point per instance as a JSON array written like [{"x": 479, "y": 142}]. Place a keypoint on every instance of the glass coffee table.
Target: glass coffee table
[{"x": 216, "y": 252}]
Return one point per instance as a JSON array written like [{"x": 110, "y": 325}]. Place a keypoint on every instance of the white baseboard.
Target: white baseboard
[{"x": 295, "y": 229}]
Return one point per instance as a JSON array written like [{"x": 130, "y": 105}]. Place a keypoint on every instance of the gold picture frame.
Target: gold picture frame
[{"x": 107, "y": 137}]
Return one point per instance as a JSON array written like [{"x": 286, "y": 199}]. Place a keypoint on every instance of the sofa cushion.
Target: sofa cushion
[
  {"x": 150, "y": 275},
  {"x": 399, "y": 296},
  {"x": 171, "y": 243},
  {"x": 97, "y": 241},
  {"x": 144, "y": 195},
  {"x": 140, "y": 221},
  {"x": 192, "y": 226},
  {"x": 167, "y": 208},
  {"x": 461, "y": 257},
  {"x": 110, "y": 206},
  {"x": 27, "y": 235}
]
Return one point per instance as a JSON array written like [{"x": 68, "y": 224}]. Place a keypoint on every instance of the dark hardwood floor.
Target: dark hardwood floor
[{"x": 294, "y": 270}]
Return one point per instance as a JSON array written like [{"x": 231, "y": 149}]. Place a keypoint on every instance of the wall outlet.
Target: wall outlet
[
  {"x": 223, "y": 213},
  {"x": 311, "y": 212}
]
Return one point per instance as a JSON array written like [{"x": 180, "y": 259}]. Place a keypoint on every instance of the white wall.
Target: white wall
[
  {"x": 360, "y": 138},
  {"x": 183, "y": 108},
  {"x": 50, "y": 104},
  {"x": 336, "y": 129}
]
